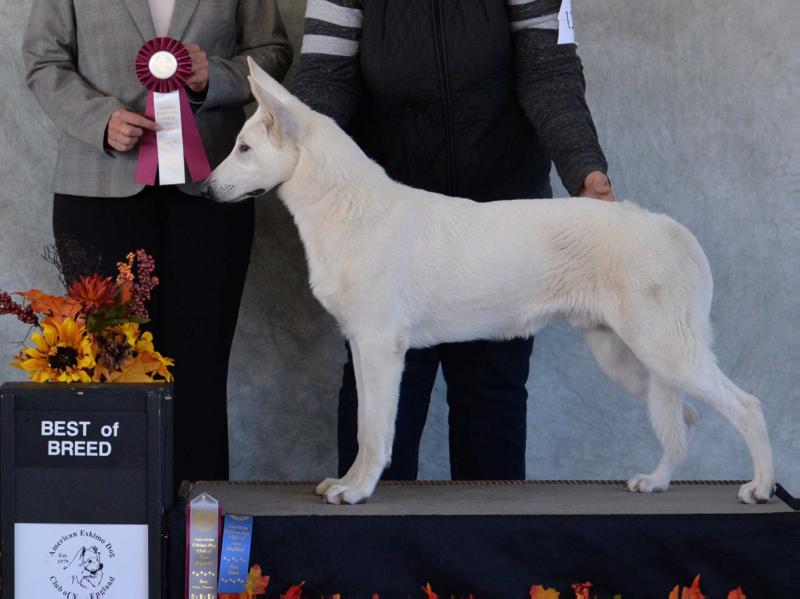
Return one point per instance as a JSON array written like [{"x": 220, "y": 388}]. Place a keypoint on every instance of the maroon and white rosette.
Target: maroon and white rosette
[{"x": 163, "y": 66}]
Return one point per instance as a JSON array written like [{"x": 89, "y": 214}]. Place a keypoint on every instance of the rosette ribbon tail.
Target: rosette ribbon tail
[
  {"x": 196, "y": 158},
  {"x": 147, "y": 165}
]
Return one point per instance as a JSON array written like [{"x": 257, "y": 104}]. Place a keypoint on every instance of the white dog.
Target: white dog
[{"x": 401, "y": 268}]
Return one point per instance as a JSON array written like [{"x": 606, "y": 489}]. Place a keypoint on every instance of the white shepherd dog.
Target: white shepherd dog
[{"x": 401, "y": 268}]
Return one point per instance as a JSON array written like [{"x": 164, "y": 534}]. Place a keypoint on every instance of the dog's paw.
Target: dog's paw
[
  {"x": 756, "y": 492},
  {"x": 342, "y": 494},
  {"x": 326, "y": 484},
  {"x": 647, "y": 483}
]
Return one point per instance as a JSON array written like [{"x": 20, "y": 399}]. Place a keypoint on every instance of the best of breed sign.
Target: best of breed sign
[{"x": 85, "y": 484}]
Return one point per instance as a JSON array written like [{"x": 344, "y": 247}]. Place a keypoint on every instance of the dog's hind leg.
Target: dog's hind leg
[
  {"x": 671, "y": 420},
  {"x": 677, "y": 351},
  {"x": 617, "y": 361},
  {"x": 670, "y": 416},
  {"x": 708, "y": 383},
  {"x": 378, "y": 363}
]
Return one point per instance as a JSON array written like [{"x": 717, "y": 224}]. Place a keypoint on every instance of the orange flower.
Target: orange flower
[
  {"x": 539, "y": 592},
  {"x": 737, "y": 593},
  {"x": 93, "y": 292},
  {"x": 429, "y": 591}
]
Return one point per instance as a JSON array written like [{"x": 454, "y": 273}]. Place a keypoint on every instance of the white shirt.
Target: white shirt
[{"x": 161, "y": 11}]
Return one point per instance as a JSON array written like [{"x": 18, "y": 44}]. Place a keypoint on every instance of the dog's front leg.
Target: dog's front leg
[{"x": 378, "y": 363}]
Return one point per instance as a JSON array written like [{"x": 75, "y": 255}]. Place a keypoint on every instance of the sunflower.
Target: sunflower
[{"x": 63, "y": 353}]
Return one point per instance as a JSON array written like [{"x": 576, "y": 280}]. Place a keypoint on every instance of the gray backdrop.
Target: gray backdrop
[{"x": 696, "y": 105}]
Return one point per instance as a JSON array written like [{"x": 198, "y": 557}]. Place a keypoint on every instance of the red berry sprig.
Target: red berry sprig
[
  {"x": 145, "y": 283},
  {"x": 23, "y": 313}
]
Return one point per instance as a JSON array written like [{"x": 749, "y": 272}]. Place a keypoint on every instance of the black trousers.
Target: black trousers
[
  {"x": 202, "y": 250},
  {"x": 487, "y": 402}
]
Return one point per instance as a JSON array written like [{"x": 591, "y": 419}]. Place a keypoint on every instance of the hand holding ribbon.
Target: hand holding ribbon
[
  {"x": 164, "y": 66},
  {"x": 125, "y": 128},
  {"x": 198, "y": 79}
]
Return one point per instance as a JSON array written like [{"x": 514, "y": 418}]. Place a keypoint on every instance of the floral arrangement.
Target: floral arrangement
[
  {"x": 93, "y": 332},
  {"x": 257, "y": 585}
]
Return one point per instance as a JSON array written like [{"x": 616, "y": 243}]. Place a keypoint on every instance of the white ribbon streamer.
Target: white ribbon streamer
[
  {"x": 566, "y": 30},
  {"x": 169, "y": 139}
]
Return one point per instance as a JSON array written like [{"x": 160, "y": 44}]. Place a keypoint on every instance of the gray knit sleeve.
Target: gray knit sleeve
[
  {"x": 329, "y": 79},
  {"x": 551, "y": 90}
]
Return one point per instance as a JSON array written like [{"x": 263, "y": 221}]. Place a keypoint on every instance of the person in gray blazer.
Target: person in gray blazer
[{"x": 79, "y": 56}]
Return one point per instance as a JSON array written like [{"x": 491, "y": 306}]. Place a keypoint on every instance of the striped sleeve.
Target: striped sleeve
[
  {"x": 533, "y": 14},
  {"x": 329, "y": 77},
  {"x": 551, "y": 89},
  {"x": 332, "y": 27}
]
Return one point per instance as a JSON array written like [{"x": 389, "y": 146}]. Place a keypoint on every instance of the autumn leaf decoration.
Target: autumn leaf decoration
[
  {"x": 429, "y": 591},
  {"x": 692, "y": 592},
  {"x": 295, "y": 592},
  {"x": 52, "y": 306},
  {"x": 256, "y": 585},
  {"x": 582, "y": 590},
  {"x": 539, "y": 592}
]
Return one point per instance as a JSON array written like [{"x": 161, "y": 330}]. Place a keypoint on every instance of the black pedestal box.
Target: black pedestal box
[
  {"x": 496, "y": 539},
  {"x": 86, "y": 482}
]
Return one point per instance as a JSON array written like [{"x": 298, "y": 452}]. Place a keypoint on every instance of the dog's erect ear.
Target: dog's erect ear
[
  {"x": 266, "y": 81},
  {"x": 281, "y": 123}
]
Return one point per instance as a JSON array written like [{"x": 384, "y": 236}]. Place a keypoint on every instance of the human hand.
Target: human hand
[
  {"x": 198, "y": 80},
  {"x": 596, "y": 185},
  {"x": 125, "y": 128}
]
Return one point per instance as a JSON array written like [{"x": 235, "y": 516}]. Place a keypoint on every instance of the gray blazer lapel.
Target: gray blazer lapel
[
  {"x": 140, "y": 11},
  {"x": 184, "y": 9}
]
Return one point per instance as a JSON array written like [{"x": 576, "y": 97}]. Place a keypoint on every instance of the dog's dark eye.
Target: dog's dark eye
[{"x": 243, "y": 147}]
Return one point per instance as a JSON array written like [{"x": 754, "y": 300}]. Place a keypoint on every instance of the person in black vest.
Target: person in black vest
[{"x": 470, "y": 99}]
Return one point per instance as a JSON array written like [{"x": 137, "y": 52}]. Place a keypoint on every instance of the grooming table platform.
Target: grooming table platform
[{"x": 496, "y": 539}]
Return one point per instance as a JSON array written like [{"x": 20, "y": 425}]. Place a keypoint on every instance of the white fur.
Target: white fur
[{"x": 401, "y": 268}]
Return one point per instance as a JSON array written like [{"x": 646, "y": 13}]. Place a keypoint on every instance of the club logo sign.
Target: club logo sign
[
  {"x": 84, "y": 564},
  {"x": 80, "y": 561}
]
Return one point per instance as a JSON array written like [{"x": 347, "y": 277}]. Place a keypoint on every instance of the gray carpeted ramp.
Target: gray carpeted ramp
[{"x": 488, "y": 498}]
